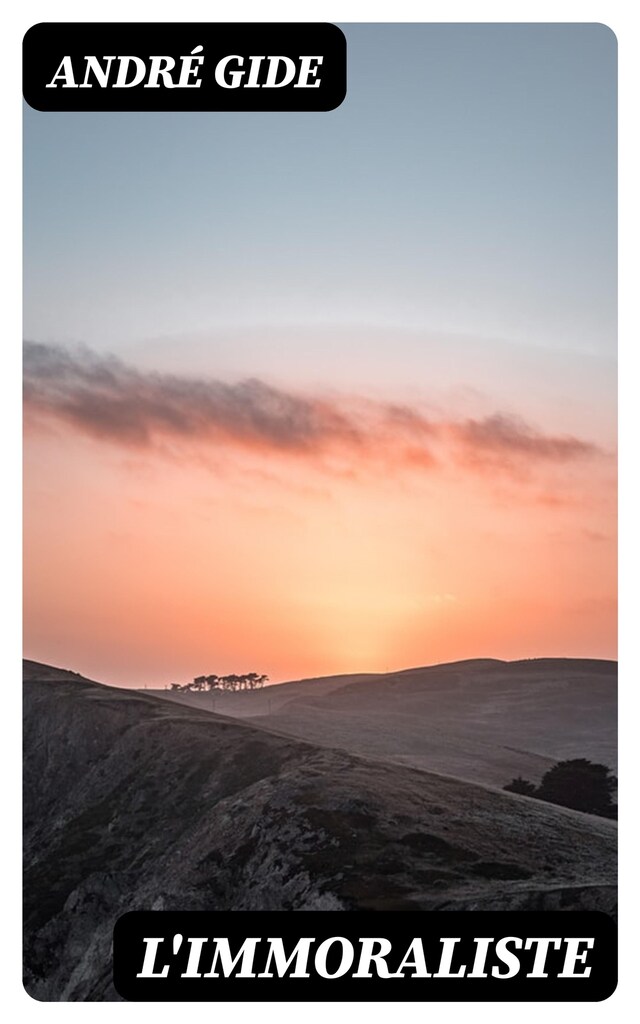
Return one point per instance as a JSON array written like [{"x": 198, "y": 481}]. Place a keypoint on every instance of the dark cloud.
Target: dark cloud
[
  {"x": 509, "y": 437},
  {"x": 108, "y": 399}
]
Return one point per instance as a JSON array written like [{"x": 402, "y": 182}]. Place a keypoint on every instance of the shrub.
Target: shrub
[
  {"x": 522, "y": 786},
  {"x": 576, "y": 783},
  {"x": 580, "y": 784}
]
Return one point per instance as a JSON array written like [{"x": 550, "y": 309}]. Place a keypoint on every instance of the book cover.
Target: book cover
[{"x": 320, "y": 511}]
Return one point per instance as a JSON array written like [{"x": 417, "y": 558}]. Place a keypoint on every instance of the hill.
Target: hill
[
  {"x": 137, "y": 803},
  {"x": 483, "y": 720}
]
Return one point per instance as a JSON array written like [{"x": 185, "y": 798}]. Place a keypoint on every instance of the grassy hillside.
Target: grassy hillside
[
  {"x": 484, "y": 720},
  {"x": 137, "y": 803}
]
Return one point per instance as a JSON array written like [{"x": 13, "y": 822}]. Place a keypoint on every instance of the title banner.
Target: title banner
[
  {"x": 324, "y": 955},
  {"x": 184, "y": 66}
]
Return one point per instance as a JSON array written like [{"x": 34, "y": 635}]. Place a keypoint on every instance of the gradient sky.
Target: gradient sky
[{"x": 419, "y": 288}]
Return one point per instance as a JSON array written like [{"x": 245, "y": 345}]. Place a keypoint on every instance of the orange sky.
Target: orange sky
[
  {"x": 387, "y": 538},
  {"x": 348, "y": 396}
]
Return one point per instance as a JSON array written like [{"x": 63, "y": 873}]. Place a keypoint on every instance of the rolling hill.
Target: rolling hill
[
  {"x": 483, "y": 720},
  {"x": 132, "y": 802}
]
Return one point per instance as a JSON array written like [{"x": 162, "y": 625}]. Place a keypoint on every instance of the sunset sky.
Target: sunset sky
[{"x": 320, "y": 393}]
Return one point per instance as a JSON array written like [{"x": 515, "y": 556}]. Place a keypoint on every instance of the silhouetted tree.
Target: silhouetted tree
[
  {"x": 248, "y": 681},
  {"x": 580, "y": 784},
  {"x": 576, "y": 783},
  {"x": 522, "y": 786}
]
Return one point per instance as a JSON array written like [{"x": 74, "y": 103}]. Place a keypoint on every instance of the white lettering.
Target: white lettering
[
  {"x": 235, "y": 76},
  {"x": 101, "y": 74},
  {"x": 158, "y": 71},
  {"x": 573, "y": 957},
  {"x": 188, "y": 70},
  {"x": 123, "y": 71},
  {"x": 223, "y": 953},
  {"x": 368, "y": 957},
  {"x": 282, "y": 964},
  {"x": 65, "y": 72},
  {"x": 509, "y": 959},
  {"x": 482, "y": 948},
  {"x": 307, "y": 72},
  {"x": 418, "y": 961},
  {"x": 149, "y": 961},
  {"x": 322, "y": 953},
  {"x": 194, "y": 958},
  {"x": 444, "y": 970},
  {"x": 542, "y": 948},
  {"x": 272, "y": 75}
]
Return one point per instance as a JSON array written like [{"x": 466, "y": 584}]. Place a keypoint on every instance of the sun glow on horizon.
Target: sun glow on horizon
[
  {"x": 307, "y": 417},
  {"x": 148, "y": 566}
]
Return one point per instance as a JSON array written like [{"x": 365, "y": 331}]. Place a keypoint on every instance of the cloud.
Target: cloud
[
  {"x": 113, "y": 401},
  {"x": 105, "y": 398},
  {"x": 508, "y": 439}
]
